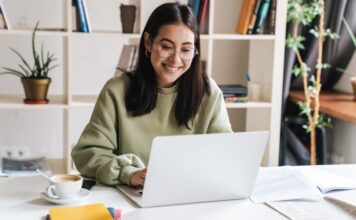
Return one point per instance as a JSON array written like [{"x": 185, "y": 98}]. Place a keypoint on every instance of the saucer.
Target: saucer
[{"x": 83, "y": 194}]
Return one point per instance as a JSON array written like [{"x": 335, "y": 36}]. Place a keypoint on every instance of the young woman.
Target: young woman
[{"x": 167, "y": 94}]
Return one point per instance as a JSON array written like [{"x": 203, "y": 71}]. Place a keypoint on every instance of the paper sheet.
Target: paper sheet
[
  {"x": 282, "y": 183},
  {"x": 313, "y": 210},
  {"x": 327, "y": 181}
]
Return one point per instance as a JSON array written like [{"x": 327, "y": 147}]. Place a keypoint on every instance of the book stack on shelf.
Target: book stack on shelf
[
  {"x": 201, "y": 12},
  {"x": 234, "y": 93},
  {"x": 4, "y": 23},
  {"x": 257, "y": 17},
  {"x": 26, "y": 166},
  {"x": 80, "y": 17},
  {"x": 128, "y": 59}
]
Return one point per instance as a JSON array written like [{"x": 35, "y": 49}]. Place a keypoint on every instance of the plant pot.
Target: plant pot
[
  {"x": 127, "y": 15},
  {"x": 36, "y": 90}
]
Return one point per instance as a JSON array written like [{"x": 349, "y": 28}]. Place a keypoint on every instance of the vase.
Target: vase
[
  {"x": 127, "y": 15},
  {"x": 36, "y": 90}
]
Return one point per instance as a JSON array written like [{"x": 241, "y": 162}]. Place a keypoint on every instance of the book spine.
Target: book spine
[
  {"x": 81, "y": 16},
  {"x": 4, "y": 24},
  {"x": 86, "y": 13},
  {"x": 245, "y": 16},
  {"x": 203, "y": 12},
  {"x": 74, "y": 16},
  {"x": 195, "y": 6},
  {"x": 262, "y": 16},
  {"x": 254, "y": 17},
  {"x": 271, "y": 18}
]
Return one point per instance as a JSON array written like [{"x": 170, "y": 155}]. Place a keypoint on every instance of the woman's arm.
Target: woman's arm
[{"x": 95, "y": 154}]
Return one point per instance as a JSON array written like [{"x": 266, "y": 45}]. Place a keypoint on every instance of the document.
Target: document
[
  {"x": 326, "y": 181},
  {"x": 313, "y": 210},
  {"x": 282, "y": 183}
]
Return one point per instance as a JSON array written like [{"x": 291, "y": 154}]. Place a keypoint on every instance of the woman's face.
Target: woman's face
[{"x": 172, "y": 52}]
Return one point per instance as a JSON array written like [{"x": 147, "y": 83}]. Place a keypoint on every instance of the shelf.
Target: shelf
[
  {"x": 242, "y": 37},
  {"x": 16, "y": 102},
  {"x": 83, "y": 101},
  {"x": 107, "y": 33},
  {"x": 38, "y": 33},
  {"x": 249, "y": 105}
]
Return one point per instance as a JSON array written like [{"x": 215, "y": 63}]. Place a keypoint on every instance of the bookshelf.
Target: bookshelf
[{"x": 88, "y": 60}]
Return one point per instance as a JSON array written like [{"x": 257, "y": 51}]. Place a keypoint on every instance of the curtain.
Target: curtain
[{"x": 337, "y": 53}]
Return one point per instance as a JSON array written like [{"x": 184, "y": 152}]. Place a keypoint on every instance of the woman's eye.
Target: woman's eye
[
  {"x": 187, "y": 50},
  {"x": 166, "y": 47}
]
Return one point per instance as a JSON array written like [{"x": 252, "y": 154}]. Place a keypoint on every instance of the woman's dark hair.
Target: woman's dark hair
[{"x": 141, "y": 93}]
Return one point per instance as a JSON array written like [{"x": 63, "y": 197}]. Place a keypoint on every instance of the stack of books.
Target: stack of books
[
  {"x": 257, "y": 17},
  {"x": 234, "y": 93},
  {"x": 26, "y": 166},
  {"x": 128, "y": 58}
]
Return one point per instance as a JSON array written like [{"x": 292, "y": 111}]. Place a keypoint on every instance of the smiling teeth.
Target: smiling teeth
[{"x": 171, "y": 68}]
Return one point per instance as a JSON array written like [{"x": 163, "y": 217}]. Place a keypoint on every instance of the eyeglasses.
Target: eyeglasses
[{"x": 186, "y": 53}]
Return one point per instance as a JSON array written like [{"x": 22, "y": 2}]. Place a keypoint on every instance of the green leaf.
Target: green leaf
[{"x": 10, "y": 70}]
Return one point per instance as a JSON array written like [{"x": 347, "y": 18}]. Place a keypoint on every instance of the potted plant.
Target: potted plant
[
  {"x": 300, "y": 12},
  {"x": 35, "y": 79}
]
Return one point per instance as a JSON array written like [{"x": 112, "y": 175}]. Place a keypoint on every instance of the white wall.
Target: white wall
[{"x": 343, "y": 136}]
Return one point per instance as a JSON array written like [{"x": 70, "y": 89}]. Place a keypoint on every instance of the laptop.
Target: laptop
[{"x": 200, "y": 168}]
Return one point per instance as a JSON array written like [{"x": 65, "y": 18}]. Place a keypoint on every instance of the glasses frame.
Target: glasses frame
[{"x": 159, "y": 47}]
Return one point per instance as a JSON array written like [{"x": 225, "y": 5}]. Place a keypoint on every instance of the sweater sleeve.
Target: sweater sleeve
[{"x": 94, "y": 154}]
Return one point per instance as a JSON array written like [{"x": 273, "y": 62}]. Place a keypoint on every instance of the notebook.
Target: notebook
[
  {"x": 200, "y": 168},
  {"x": 82, "y": 212}
]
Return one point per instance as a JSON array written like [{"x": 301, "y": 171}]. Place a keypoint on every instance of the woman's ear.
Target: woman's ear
[{"x": 147, "y": 41}]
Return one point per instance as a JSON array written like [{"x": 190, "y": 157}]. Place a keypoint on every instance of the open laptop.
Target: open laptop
[{"x": 200, "y": 168}]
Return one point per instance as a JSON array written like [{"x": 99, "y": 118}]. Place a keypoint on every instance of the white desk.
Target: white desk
[{"x": 20, "y": 199}]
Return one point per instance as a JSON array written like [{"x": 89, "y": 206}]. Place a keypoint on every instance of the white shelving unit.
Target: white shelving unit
[{"x": 88, "y": 60}]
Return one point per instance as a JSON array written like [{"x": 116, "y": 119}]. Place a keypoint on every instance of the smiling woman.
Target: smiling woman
[{"x": 167, "y": 94}]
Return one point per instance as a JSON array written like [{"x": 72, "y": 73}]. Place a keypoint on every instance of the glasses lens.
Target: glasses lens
[{"x": 167, "y": 51}]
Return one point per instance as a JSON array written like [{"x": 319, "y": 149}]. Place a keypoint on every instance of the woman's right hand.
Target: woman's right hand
[{"x": 138, "y": 178}]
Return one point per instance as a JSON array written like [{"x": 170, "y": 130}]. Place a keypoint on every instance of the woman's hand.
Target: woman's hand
[{"x": 138, "y": 178}]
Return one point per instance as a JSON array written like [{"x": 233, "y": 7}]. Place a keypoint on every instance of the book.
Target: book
[
  {"x": 245, "y": 16},
  {"x": 254, "y": 17},
  {"x": 81, "y": 16},
  {"x": 237, "y": 90},
  {"x": 202, "y": 16},
  {"x": 86, "y": 13},
  {"x": 4, "y": 24},
  {"x": 128, "y": 58},
  {"x": 271, "y": 18},
  {"x": 75, "y": 24},
  {"x": 83, "y": 212},
  {"x": 195, "y": 5},
  {"x": 262, "y": 17},
  {"x": 23, "y": 166}
]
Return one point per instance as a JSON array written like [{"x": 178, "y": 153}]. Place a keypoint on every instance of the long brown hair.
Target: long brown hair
[{"x": 141, "y": 93}]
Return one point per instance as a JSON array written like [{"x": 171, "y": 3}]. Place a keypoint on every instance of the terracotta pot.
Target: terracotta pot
[{"x": 36, "y": 90}]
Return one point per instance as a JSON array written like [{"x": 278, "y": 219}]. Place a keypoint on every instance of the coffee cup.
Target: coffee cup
[{"x": 64, "y": 186}]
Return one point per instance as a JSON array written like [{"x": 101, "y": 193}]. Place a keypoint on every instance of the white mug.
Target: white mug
[{"x": 64, "y": 186}]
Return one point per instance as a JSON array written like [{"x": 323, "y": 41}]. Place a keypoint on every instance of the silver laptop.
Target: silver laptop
[{"x": 200, "y": 168}]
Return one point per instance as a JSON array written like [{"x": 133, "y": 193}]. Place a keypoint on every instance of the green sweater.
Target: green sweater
[{"x": 114, "y": 144}]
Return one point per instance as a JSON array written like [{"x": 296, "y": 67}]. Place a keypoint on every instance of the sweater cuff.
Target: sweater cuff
[{"x": 126, "y": 173}]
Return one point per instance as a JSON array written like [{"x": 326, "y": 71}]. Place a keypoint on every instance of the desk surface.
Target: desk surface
[
  {"x": 20, "y": 199},
  {"x": 335, "y": 104}
]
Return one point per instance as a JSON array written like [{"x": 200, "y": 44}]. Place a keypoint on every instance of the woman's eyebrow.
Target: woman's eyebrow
[{"x": 172, "y": 42}]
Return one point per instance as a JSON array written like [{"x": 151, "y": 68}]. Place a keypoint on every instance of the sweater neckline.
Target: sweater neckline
[{"x": 168, "y": 90}]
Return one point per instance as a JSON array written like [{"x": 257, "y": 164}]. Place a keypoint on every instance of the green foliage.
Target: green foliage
[
  {"x": 295, "y": 43},
  {"x": 41, "y": 67},
  {"x": 324, "y": 121},
  {"x": 300, "y": 12}
]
